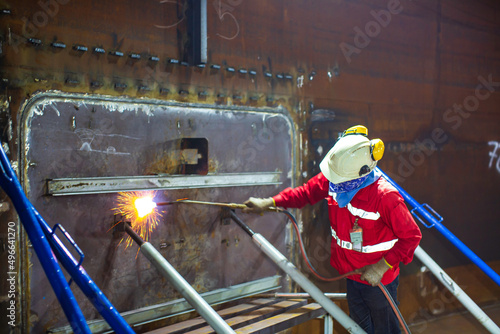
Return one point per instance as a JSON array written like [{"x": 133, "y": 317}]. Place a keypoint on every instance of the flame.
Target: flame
[
  {"x": 139, "y": 208},
  {"x": 144, "y": 206}
]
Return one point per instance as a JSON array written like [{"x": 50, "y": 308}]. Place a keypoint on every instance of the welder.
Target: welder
[{"x": 372, "y": 229}]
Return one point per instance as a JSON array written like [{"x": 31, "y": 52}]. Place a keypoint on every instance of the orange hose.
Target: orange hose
[
  {"x": 304, "y": 256},
  {"x": 398, "y": 315}
]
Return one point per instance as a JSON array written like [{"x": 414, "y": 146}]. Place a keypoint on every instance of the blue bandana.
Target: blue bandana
[
  {"x": 347, "y": 186},
  {"x": 344, "y": 192}
]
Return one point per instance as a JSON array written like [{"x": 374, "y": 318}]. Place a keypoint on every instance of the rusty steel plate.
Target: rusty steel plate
[{"x": 81, "y": 136}]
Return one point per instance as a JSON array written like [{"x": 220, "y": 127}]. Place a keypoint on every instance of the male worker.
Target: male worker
[{"x": 371, "y": 227}]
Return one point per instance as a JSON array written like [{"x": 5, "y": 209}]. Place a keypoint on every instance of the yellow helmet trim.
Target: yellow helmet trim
[{"x": 356, "y": 130}]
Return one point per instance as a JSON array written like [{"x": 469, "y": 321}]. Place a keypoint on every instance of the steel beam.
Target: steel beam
[
  {"x": 334, "y": 296},
  {"x": 102, "y": 185}
]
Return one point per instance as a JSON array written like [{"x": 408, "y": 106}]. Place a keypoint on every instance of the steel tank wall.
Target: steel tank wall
[{"x": 421, "y": 75}]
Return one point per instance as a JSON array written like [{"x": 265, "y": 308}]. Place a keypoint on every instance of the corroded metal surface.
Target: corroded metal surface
[
  {"x": 421, "y": 75},
  {"x": 83, "y": 138}
]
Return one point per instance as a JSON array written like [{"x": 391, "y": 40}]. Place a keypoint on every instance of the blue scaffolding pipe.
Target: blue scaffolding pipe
[
  {"x": 43, "y": 238},
  {"x": 82, "y": 279},
  {"x": 435, "y": 220},
  {"x": 10, "y": 184}
]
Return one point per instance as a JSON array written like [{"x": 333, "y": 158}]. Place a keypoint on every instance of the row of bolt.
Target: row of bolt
[
  {"x": 143, "y": 89},
  {"x": 183, "y": 93},
  {"x": 80, "y": 49},
  {"x": 155, "y": 59}
]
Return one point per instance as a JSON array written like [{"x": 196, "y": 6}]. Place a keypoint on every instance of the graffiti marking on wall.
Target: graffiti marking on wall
[
  {"x": 494, "y": 155},
  {"x": 225, "y": 9},
  {"x": 180, "y": 19}
]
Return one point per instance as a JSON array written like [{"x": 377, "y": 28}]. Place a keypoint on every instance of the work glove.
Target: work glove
[
  {"x": 373, "y": 273},
  {"x": 258, "y": 205}
]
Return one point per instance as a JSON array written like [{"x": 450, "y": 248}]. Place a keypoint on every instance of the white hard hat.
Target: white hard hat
[{"x": 351, "y": 157}]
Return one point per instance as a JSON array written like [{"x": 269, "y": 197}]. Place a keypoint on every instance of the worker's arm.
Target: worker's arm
[
  {"x": 399, "y": 219},
  {"x": 311, "y": 192},
  {"x": 404, "y": 227}
]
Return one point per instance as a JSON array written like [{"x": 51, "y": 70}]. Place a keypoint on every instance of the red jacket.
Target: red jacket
[{"x": 389, "y": 230}]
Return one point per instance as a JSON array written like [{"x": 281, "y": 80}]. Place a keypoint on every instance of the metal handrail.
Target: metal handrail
[
  {"x": 455, "y": 289},
  {"x": 46, "y": 244},
  {"x": 434, "y": 222},
  {"x": 10, "y": 184},
  {"x": 282, "y": 262},
  {"x": 437, "y": 270}
]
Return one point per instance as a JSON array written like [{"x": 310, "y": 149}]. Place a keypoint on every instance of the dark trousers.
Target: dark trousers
[{"x": 369, "y": 308}]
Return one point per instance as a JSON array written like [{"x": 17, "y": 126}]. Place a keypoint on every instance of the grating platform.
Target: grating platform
[{"x": 254, "y": 316}]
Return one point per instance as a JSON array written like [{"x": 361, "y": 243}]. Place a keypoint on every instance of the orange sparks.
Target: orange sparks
[{"x": 139, "y": 208}]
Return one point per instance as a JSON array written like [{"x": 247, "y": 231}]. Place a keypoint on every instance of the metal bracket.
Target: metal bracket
[
  {"x": 225, "y": 216},
  {"x": 72, "y": 243},
  {"x": 426, "y": 206},
  {"x": 119, "y": 226}
]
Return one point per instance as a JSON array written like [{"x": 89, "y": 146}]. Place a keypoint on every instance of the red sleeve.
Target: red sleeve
[
  {"x": 404, "y": 227},
  {"x": 311, "y": 192}
]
